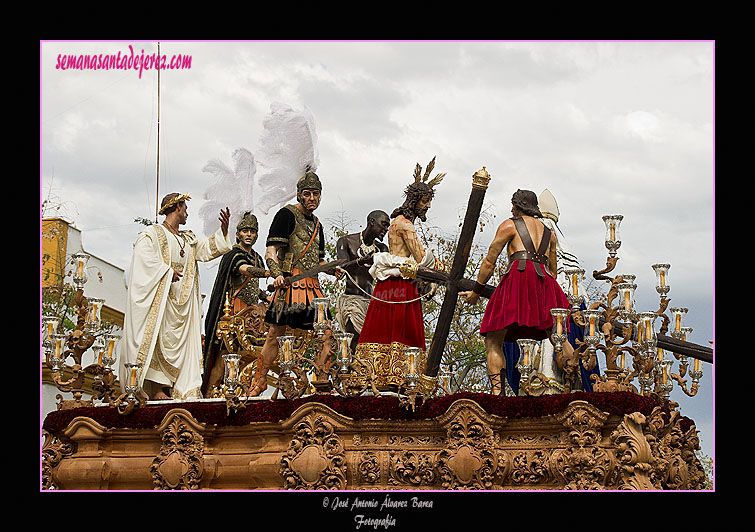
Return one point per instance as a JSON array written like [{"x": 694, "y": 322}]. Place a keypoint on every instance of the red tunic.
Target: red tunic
[
  {"x": 387, "y": 323},
  {"x": 521, "y": 304},
  {"x": 388, "y": 329}
]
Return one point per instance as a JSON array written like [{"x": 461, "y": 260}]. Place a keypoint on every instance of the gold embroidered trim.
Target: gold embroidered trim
[
  {"x": 214, "y": 247},
  {"x": 387, "y": 362},
  {"x": 194, "y": 393},
  {"x": 190, "y": 266},
  {"x": 154, "y": 309},
  {"x": 162, "y": 241},
  {"x": 149, "y": 328},
  {"x": 159, "y": 363}
]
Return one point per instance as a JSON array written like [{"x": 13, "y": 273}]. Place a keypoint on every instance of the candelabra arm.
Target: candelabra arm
[
  {"x": 661, "y": 313},
  {"x": 75, "y": 382},
  {"x": 610, "y": 265},
  {"x": 683, "y": 385},
  {"x": 292, "y": 387},
  {"x": 126, "y": 402},
  {"x": 537, "y": 384},
  {"x": 104, "y": 381},
  {"x": 233, "y": 401},
  {"x": 578, "y": 318}
]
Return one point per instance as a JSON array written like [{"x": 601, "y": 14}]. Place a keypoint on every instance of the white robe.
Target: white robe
[
  {"x": 565, "y": 260},
  {"x": 385, "y": 265},
  {"x": 163, "y": 320}
]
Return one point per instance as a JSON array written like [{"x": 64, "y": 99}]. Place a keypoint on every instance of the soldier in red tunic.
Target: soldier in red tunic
[{"x": 521, "y": 304}]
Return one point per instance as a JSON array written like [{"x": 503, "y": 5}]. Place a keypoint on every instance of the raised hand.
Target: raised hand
[{"x": 225, "y": 215}]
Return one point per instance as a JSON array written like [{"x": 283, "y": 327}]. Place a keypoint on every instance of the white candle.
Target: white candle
[{"x": 58, "y": 353}]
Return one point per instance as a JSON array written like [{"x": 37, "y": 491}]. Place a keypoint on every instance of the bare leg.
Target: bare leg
[
  {"x": 267, "y": 356},
  {"x": 496, "y": 359}
]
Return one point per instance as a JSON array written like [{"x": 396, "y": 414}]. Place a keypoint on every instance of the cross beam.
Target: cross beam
[
  {"x": 454, "y": 280},
  {"x": 455, "y": 283}
]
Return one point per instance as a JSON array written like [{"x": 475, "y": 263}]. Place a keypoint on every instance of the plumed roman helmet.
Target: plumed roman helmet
[
  {"x": 248, "y": 221},
  {"x": 310, "y": 181}
]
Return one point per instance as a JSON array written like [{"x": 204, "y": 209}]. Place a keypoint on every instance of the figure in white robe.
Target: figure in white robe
[
  {"x": 163, "y": 319},
  {"x": 566, "y": 260}
]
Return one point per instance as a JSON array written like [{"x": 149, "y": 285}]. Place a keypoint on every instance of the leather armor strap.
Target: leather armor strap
[{"x": 539, "y": 257}]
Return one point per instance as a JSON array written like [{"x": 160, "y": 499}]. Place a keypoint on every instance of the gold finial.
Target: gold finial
[
  {"x": 227, "y": 306},
  {"x": 481, "y": 178}
]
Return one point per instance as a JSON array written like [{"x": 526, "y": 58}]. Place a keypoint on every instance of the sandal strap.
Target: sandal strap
[{"x": 497, "y": 381}]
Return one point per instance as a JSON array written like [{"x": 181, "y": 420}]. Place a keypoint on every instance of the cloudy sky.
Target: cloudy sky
[{"x": 609, "y": 127}]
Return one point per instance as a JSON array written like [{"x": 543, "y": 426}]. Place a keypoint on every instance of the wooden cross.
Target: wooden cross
[
  {"x": 454, "y": 280},
  {"x": 455, "y": 283}
]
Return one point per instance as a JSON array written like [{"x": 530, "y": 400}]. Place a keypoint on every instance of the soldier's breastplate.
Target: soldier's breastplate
[
  {"x": 246, "y": 289},
  {"x": 298, "y": 241}
]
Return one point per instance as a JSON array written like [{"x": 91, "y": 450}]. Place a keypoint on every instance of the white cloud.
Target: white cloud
[
  {"x": 66, "y": 133},
  {"x": 643, "y": 124}
]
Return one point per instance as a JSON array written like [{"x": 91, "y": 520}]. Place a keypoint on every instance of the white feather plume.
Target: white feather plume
[
  {"x": 233, "y": 188},
  {"x": 288, "y": 149}
]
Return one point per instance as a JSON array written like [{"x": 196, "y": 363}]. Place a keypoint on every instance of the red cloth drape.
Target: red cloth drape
[
  {"x": 386, "y": 323},
  {"x": 521, "y": 304}
]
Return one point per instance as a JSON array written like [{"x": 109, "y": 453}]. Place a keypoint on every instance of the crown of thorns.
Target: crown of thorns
[{"x": 419, "y": 177}]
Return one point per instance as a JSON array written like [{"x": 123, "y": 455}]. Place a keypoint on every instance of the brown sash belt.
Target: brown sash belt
[
  {"x": 538, "y": 257},
  {"x": 539, "y": 261}
]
